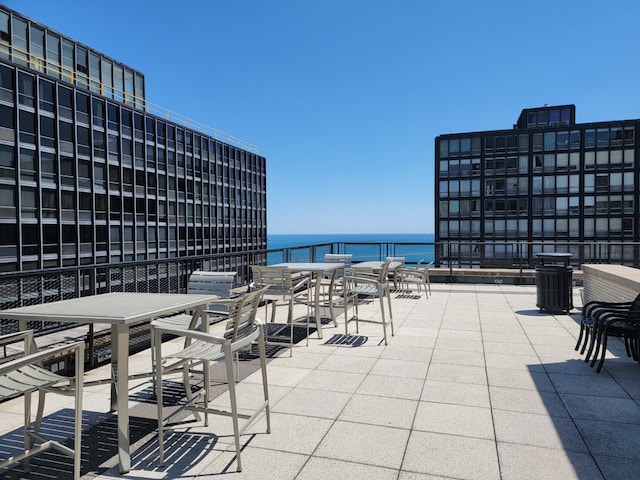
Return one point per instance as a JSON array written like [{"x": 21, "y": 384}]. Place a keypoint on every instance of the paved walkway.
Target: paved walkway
[{"x": 475, "y": 384}]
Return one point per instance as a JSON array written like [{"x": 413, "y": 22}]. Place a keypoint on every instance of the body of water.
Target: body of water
[{"x": 356, "y": 244}]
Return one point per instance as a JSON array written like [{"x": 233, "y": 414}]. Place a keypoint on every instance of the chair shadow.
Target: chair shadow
[
  {"x": 347, "y": 340},
  {"x": 99, "y": 445}
]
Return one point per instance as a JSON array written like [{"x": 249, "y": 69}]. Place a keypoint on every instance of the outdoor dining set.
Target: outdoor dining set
[{"x": 218, "y": 325}]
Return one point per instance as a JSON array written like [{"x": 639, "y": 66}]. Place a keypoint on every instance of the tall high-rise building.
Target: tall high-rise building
[
  {"x": 546, "y": 179},
  {"x": 89, "y": 176}
]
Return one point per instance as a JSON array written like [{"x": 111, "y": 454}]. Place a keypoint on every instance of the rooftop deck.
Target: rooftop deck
[{"x": 476, "y": 383}]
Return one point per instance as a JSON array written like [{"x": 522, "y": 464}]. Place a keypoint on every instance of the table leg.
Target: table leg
[
  {"x": 120, "y": 401},
  {"x": 316, "y": 303}
]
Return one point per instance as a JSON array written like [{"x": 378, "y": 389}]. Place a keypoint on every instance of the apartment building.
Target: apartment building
[
  {"x": 89, "y": 176},
  {"x": 547, "y": 179}
]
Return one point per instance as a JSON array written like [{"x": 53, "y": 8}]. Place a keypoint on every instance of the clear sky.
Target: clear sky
[{"x": 345, "y": 97}]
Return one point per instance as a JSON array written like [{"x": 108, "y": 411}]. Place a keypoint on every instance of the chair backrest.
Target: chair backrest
[
  {"x": 242, "y": 315},
  {"x": 344, "y": 258},
  {"x": 275, "y": 278},
  {"x": 396, "y": 261},
  {"x": 635, "y": 305},
  {"x": 383, "y": 276},
  {"x": 211, "y": 283}
]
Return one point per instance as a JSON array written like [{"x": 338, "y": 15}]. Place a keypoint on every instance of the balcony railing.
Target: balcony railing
[{"x": 171, "y": 275}]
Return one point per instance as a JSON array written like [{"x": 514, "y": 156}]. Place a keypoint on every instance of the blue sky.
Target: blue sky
[{"x": 345, "y": 97}]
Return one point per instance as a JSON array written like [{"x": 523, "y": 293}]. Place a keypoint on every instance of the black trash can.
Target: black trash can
[{"x": 554, "y": 281}]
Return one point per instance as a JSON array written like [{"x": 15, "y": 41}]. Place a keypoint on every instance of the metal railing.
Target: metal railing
[
  {"x": 89, "y": 83},
  {"x": 171, "y": 275}
]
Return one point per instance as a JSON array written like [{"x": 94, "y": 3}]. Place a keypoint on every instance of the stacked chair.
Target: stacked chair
[{"x": 601, "y": 320}]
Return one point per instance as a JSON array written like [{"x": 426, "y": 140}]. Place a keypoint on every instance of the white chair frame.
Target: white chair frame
[{"x": 24, "y": 376}]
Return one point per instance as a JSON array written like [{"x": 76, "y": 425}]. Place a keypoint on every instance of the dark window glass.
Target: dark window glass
[{"x": 6, "y": 117}]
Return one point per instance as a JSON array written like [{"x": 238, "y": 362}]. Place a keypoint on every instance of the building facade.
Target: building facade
[
  {"x": 547, "y": 179},
  {"x": 88, "y": 176}
]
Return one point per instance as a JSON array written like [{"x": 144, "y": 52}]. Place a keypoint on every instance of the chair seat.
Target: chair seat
[
  {"x": 365, "y": 290},
  {"x": 24, "y": 376},
  {"x": 27, "y": 379},
  {"x": 199, "y": 350}
]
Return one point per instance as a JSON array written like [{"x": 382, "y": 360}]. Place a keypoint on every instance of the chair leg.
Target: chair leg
[
  {"x": 28, "y": 442},
  {"x": 159, "y": 399},
  {"x": 77, "y": 430},
  {"x": 265, "y": 385},
  {"x": 604, "y": 352},
  {"x": 582, "y": 327},
  {"x": 228, "y": 360},
  {"x": 390, "y": 314},
  {"x": 384, "y": 323}
]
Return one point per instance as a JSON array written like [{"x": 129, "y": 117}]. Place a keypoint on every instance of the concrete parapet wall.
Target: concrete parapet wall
[
  {"x": 610, "y": 283},
  {"x": 525, "y": 276}
]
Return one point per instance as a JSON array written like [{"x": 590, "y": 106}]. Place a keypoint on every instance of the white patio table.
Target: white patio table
[
  {"x": 316, "y": 269},
  {"x": 120, "y": 310}
]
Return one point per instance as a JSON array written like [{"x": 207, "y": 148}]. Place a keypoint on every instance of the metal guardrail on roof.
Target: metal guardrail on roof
[{"x": 83, "y": 80}]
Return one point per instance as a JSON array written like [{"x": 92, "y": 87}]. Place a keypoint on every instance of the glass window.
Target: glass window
[
  {"x": 488, "y": 144},
  {"x": 523, "y": 142},
  {"x": 475, "y": 146},
  {"x": 550, "y": 141},
  {"x": 68, "y": 62},
  {"x": 26, "y": 89},
  {"x": 4, "y": 33},
  {"x": 82, "y": 67},
  {"x": 574, "y": 139},
  {"x": 589, "y": 138},
  {"x": 616, "y": 158},
  {"x": 589, "y": 183},
  {"x": 65, "y": 98},
  {"x": 537, "y": 142},
  {"x": 589, "y": 160},
  {"x": 454, "y": 146},
  {"x": 574, "y": 183},
  {"x": 28, "y": 166},
  {"x": 27, "y": 126},
  {"x": 465, "y": 145},
  {"x": 615, "y": 136},
  {"x": 19, "y": 40},
  {"x": 615, "y": 181},
  {"x": 107, "y": 81},
  {"x": 47, "y": 132},
  {"x": 549, "y": 184},
  {"x": 562, "y": 140},
  {"x": 94, "y": 73},
  {"x": 602, "y": 137},
  {"x": 98, "y": 113},
  {"x": 6, "y": 117},
  {"x": 574, "y": 161},
  {"x": 628, "y": 158},
  {"x": 602, "y": 158},
  {"x": 562, "y": 162},
  {"x": 549, "y": 162},
  {"x": 46, "y": 96},
  {"x": 118, "y": 83}
]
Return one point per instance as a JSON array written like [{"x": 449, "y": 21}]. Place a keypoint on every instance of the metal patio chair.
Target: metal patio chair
[{"x": 24, "y": 376}]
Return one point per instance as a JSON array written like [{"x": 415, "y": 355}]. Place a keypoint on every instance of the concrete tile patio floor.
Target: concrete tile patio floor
[{"x": 475, "y": 384}]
